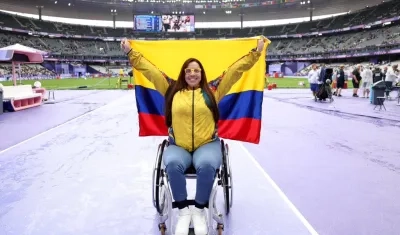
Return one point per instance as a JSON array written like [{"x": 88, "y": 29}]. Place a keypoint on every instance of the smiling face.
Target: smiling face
[{"x": 193, "y": 74}]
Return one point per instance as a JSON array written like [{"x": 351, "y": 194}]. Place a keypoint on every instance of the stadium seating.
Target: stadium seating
[
  {"x": 367, "y": 15},
  {"x": 345, "y": 43},
  {"x": 21, "y": 97},
  {"x": 368, "y": 40}
]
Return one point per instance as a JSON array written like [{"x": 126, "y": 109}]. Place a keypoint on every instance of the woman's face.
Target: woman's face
[{"x": 193, "y": 74}]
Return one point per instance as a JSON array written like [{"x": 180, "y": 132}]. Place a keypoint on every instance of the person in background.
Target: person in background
[
  {"x": 362, "y": 72},
  {"x": 391, "y": 76},
  {"x": 377, "y": 75},
  {"x": 356, "y": 79},
  {"x": 313, "y": 79},
  {"x": 367, "y": 81},
  {"x": 321, "y": 74},
  {"x": 130, "y": 73},
  {"x": 385, "y": 69},
  {"x": 339, "y": 81},
  {"x": 266, "y": 79},
  {"x": 335, "y": 75},
  {"x": 166, "y": 19}
]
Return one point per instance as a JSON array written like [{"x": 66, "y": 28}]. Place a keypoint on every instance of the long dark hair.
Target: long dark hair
[{"x": 181, "y": 84}]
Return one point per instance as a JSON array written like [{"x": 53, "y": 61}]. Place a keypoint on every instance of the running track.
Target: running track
[{"x": 78, "y": 167}]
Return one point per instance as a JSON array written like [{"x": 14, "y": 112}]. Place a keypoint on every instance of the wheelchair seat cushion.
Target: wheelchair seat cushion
[{"x": 190, "y": 171}]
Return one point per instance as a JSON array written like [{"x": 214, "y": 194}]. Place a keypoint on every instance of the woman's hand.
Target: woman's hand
[
  {"x": 260, "y": 44},
  {"x": 125, "y": 45}
]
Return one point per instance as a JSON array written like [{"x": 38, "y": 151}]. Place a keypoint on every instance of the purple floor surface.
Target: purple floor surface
[
  {"x": 345, "y": 106},
  {"x": 19, "y": 126},
  {"x": 341, "y": 171},
  {"x": 92, "y": 175}
]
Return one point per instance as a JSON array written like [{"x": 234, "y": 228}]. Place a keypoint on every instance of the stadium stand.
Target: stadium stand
[
  {"x": 383, "y": 36},
  {"x": 286, "y": 42}
]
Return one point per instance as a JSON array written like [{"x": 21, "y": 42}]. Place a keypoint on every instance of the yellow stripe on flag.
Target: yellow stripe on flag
[{"x": 215, "y": 55}]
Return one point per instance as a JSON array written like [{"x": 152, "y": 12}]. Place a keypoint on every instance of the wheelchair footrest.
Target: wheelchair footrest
[{"x": 190, "y": 203}]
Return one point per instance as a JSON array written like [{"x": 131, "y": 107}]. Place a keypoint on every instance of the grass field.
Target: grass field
[
  {"x": 72, "y": 83},
  {"x": 110, "y": 83},
  {"x": 289, "y": 82}
]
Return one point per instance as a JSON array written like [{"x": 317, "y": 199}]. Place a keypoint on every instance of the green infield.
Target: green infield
[
  {"x": 111, "y": 83},
  {"x": 291, "y": 82},
  {"x": 74, "y": 83}
]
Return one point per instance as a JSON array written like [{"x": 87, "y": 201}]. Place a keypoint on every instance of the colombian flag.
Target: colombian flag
[{"x": 240, "y": 109}]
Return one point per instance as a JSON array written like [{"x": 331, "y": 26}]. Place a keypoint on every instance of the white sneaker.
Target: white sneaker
[
  {"x": 184, "y": 219},
  {"x": 199, "y": 219}
]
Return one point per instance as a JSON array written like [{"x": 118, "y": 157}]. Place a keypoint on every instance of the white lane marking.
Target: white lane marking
[{"x": 280, "y": 192}]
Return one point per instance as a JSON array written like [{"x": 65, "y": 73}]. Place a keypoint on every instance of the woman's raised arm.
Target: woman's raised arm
[
  {"x": 160, "y": 80},
  {"x": 224, "y": 83}
]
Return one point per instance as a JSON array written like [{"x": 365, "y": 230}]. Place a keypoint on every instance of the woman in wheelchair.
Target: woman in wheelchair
[{"x": 191, "y": 113}]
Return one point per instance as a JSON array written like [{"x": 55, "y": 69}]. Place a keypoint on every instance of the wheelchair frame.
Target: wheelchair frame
[
  {"x": 329, "y": 91},
  {"x": 163, "y": 199}
]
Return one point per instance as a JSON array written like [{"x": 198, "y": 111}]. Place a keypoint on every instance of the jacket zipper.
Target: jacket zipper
[{"x": 193, "y": 119}]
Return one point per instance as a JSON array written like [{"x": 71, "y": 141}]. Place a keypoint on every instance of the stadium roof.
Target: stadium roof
[{"x": 212, "y": 12}]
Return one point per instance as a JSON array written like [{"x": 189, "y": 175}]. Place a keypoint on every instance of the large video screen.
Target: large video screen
[
  {"x": 147, "y": 23},
  {"x": 178, "y": 23}
]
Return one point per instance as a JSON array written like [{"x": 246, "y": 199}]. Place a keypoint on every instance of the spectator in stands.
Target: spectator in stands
[
  {"x": 356, "y": 74},
  {"x": 339, "y": 81},
  {"x": 313, "y": 79},
  {"x": 366, "y": 80}
]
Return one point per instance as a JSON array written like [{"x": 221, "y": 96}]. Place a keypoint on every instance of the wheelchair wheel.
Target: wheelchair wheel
[
  {"x": 229, "y": 176},
  {"x": 155, "y": 169},
  {"x": 158, "y": 183},
  {"x": 226, "y": 176}
]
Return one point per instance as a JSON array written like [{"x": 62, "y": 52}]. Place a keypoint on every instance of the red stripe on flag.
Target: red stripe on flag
[
  {"x": 243, "y": 129},
  {"x": 152, "y": 125}
]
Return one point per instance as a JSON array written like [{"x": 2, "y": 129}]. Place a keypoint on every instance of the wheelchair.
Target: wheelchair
[{"x": 163, "y": 199}]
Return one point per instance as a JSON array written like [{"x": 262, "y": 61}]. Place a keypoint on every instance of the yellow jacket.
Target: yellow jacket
[{"x": 193, "y": 124}]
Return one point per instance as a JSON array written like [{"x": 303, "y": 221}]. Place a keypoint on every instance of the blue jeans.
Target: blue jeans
[{"x": 206, "y": 160}]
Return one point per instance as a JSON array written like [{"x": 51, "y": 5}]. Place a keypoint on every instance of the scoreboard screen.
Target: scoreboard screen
[
  {"x": 147, "y": 23},
  {"x": 178, "y": 23}
]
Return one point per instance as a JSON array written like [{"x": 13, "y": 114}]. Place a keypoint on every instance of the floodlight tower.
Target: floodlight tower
[
  {"x": 114, "y": 16},
  {"x": 40, "y": 11},
  {"x": 241, "y": 14},
  {"x": 311, "y": 8}
]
